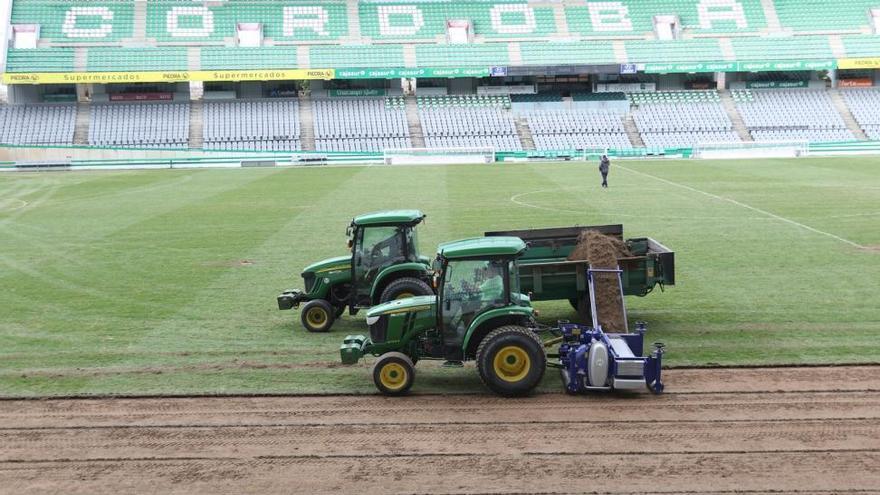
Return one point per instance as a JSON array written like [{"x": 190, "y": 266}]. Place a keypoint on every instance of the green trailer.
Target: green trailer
[
  {"x": 546, "y": 274},
  {"x": 384, "y": 264}
]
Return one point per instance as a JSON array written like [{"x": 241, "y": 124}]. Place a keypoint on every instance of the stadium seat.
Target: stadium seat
[
  {"x": 139, "y": 125},
  {"x": 795, "y": 114},
  {"x": 360, "y": 124},
  {"x": 864, "y": 103},
  {"x": 37, "y": 124},
  {"x": 677, "y": 119},
  {"x": 94, "y": 22},
  {"x": 468, "y": 121},
  {"x": 257, "y": 125},
  {"x": 574, "y": 129}
]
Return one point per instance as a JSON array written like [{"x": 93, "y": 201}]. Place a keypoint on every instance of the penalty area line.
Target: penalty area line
[{"x": 749, "y": 207}]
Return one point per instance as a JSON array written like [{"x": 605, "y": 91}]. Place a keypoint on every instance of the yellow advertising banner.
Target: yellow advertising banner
[
  {"x": 167, "y": 77},
  {"x": 858, "y": 63}
]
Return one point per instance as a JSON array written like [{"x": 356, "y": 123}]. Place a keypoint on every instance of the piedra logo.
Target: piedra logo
[{"x": 23, "y": 78}]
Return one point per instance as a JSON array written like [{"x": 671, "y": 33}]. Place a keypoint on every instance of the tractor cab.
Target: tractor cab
[
  {"x": 379, "y": 241},
  {"x": 475, "y": 276}
]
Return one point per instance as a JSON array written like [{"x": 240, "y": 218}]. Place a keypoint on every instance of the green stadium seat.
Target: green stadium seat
[
  {"x": 486, "y": 55},
  {"x": 426, "y": 20},
  {"x": 790, "y": 48},
  {"x": 696, "y": 50},
  {"x": 233, "y": 58},
  {"x": 275, "y": 16},
  {"x": 862, "y": 46},
  {"x": 96, "y": 21},
  {"x": 40, "y": 60},
  {"x": 107, "y": 59},
  {"x": 552, "y": 53},
  {"x": 372, "y": 56},
  {"x": 640, "y": 14},
  {"x": 821, "y": 15}
]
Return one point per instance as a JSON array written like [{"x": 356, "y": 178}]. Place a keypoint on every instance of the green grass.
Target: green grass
[{"x": 132, "y": 282}]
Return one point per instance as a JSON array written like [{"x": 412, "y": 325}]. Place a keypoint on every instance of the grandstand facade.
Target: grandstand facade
[{"x": 369, "y": 75}]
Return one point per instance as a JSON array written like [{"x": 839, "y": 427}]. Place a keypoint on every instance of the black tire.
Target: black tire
[
  {"x": 394, "y": 373},
  {"x": 405, "y": 287},
  {"x": 511, "y": 360},
  {"x": 317, "y": 316}
]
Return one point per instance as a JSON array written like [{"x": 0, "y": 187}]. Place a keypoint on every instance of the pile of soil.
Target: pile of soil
[{"x": 602, "y": 251}]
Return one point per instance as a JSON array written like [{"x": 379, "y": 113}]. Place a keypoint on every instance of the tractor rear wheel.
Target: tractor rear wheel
[
  {"x": 511, "y": 360},
  {"x": 394, "y": 373},
  {"x": 405, "y": 287},
  {"x": 317, "y": 316}
]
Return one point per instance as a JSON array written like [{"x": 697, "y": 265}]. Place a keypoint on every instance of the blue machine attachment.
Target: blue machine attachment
[{"x": 592, "y": 360}]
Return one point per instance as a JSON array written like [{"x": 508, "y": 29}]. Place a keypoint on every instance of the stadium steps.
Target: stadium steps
[
  {"x": 735, "y": 118},
  {"x": 525, "y": 133},
  {"x": 83, "y": 122},
  {"x": 140, "y": 21},
  {"x": 354, "y": 20},
  {"x": 561, "y": 20},
  {"x": 306, "y": 124},
  {"x": 770, "y": 14},
  {"x": 837, "y": 46},
  {"x": 848, "y": 119},
  {"x": 4, "y": 93},
  {"x": 197, "y": 124},
  {"x": 416, "y": 133},
  {"x": 632, "y": 131}
]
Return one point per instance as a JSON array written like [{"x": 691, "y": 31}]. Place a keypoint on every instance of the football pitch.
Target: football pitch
[{"x": 164, "y": 282}]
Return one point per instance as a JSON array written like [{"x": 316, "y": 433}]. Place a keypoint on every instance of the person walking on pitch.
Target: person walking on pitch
[{"x": 604, "y": 166}]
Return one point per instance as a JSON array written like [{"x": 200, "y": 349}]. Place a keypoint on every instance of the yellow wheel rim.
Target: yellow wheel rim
[
  {"x": 317, "y": 317},
  {"x": 512, "y": 363},
  {"x": 404, "y": 295},
  {"x": 393, "y": 376}
]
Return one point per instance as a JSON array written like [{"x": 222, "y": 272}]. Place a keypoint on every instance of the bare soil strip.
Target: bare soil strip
[{"x": 789, "y": 430}]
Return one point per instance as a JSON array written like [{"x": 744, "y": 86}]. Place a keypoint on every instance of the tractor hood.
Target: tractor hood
[
  {"x": 329, "y": 265},
  {"x": 408, "y": 305}
]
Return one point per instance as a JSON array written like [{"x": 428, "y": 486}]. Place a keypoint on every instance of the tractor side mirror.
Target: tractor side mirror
[{"x": 350, "y": 244}]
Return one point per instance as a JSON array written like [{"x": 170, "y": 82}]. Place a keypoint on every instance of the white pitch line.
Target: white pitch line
[
  {"x": 21, "y": 204},
  {"x": 749, "y": 207}
]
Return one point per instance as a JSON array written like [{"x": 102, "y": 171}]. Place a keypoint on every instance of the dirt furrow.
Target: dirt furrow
[
  {"x": 610, "y": 473},
  {"x": 437, "y": 409},
  {"x": 346, "y": 440}
]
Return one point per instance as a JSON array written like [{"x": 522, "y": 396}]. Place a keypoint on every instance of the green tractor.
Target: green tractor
[
  {"x": 478, "y": 314},
  {"x": 384, "y": 265}
]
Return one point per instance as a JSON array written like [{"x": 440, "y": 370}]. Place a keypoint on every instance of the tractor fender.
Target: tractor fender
[
  {"x": 390, "y": 273},
  {"x": 502, "y": 314}
]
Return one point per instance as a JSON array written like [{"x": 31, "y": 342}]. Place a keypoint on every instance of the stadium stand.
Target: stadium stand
[
  {"x": 865, "y": 107},
  {"x": 157, "y": 125},
  {"x": 37, "y": 124},
  {"x": 40, "y": 60},
  {"x": 572, "y": 129},
  {"x": 815, "y": 15},
  {"x": 468, "y": 122},
  {"x": 81, "y": 21},
  {"x": 259, "y": 125},
  {"x": 284, "y": 21},
  {"x": 104, "y": 59},
  {"x": 681, "y": 118},
  {"x": 795, "y": 114},
  {"x": 360, "y": 124},
  {"x": 639, "y": 17},
  {"x": 696, "y": 50}
]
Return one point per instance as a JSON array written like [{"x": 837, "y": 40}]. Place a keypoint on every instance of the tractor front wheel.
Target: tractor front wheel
[
  {"x": 394, "y": 373},
  {"x": 317, "y": 316},
  {"x": 405, "y": 287},
  {"x": 511, "y": 360}
]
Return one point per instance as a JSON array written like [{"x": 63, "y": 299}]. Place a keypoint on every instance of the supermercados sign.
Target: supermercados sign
[{"x": 330, "y": 20}]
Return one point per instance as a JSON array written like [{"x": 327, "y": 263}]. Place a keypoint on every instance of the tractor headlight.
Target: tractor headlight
[{"x": 372, "y": 319}]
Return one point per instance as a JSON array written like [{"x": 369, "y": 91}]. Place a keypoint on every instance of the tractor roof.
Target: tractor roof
[
  {"x": 483, "y": 247},
  {"x": 390, "y": 217}
]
